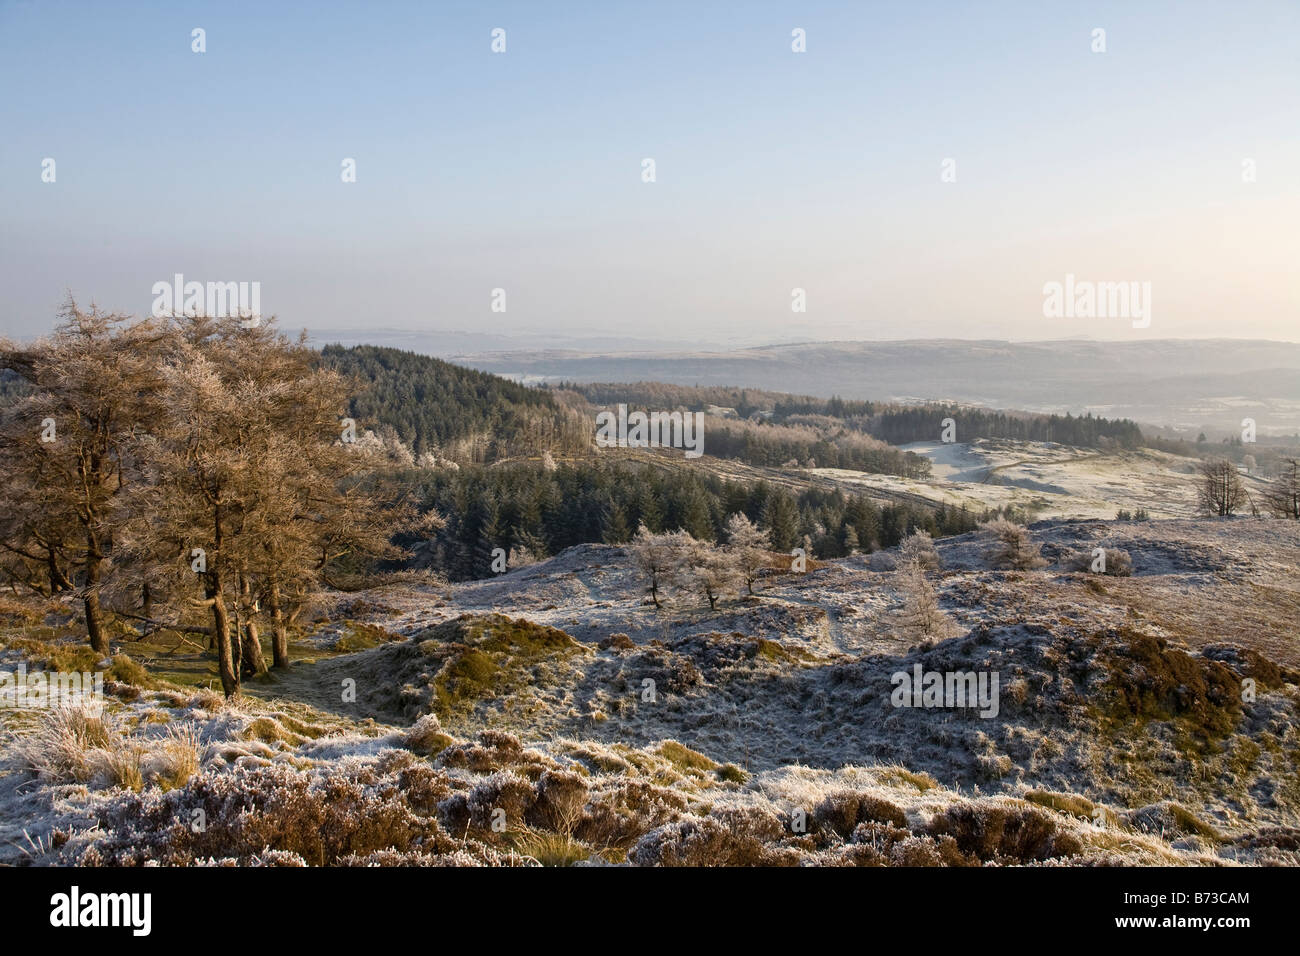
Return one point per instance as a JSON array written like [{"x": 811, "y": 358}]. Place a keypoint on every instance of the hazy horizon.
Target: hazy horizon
[{"x": 522, "y": 341}]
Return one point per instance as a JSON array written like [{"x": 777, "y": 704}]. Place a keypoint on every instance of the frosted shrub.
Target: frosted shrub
[
  {"x": 1012, "y": 549},
  {"x": 1118, "y": 563},
  {"x": 918, "y": 548}
]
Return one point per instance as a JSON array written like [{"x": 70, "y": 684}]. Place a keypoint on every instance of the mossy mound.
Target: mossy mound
[
  {"x": 484, "y": 657},
  {"x": 360, "y": 637},
  {"x": 1146, "y": 679}
]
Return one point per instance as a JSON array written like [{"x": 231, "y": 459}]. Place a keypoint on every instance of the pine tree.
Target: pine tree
[
  {"x": 920, "y": 617},
  {"x": 1012, "y": 547},
  {"x": 781, "y": 518},
  {"x": 696, "y": 518},
  {"x": 650, "y": 512},
  {"x": 614, "y": 525},
  {"x": 850, "y": 540}
]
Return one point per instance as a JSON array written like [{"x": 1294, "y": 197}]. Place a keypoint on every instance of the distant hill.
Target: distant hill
[{"x": 1186, "y": 384}]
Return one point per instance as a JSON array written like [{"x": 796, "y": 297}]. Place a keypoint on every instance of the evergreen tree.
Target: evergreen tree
[
  {"x": 614, "y": 527},
  {"x": 781, "y": 519}
]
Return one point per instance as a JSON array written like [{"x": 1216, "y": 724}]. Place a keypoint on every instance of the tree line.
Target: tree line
[
  {"x": 531, "y": 511},
  {"x": 926, "y": 423},
  {"x": 889, "y": 422}
]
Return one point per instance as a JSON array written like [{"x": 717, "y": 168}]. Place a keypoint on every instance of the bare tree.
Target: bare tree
[
  {"x": 1221, "y": 492},
  {"x": 748, "y": 546},
  {"x": 660, "y": 557},
  {"x": 711, "y": 570},
  {"x": 1282, "y": 496}
]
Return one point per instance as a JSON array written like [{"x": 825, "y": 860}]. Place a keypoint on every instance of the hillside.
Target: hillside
[
  {"x": 447, "y": 410},
  {"x": 1119, "y": 734}
]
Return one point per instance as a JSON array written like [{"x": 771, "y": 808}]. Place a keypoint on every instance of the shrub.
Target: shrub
[
  {"x": 323, "y": 819},
  {"x": 918, "y": 549},
  {"x": 426, "y": 737},
  {"x": 501, "y": 791},
  {"x": 1012, "y": 548},
  {"x": 738, "y": 837},
  {"x": 561, "y": 796},
  {"x": 882, "y": 561},
  {"x": 844, "y": 810},
  {"x": 1004, "y": 834},
  {"x": 1116, "y": 563}
]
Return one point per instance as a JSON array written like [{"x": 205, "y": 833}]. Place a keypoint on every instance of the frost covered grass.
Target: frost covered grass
[
  {"x": 81, "y": 745},
  {"x": 492, "y": 800},
  {"x": 69, "y": 744},
  {"x": 533, "y": 807}
]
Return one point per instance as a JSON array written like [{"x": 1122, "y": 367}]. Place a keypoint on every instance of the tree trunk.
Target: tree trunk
[
  {"x": 94, "y": 615},
  {"x": 279, "y": 633},
  {"x": 253, "y": 662},
  {"x": 221, "y": 634},
  {"x": 237, "y": 646}
]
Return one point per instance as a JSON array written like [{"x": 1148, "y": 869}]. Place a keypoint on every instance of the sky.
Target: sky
[{"x": 774, "y": 170}]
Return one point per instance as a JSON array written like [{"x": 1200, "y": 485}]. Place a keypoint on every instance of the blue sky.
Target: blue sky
[{"x": 775, "y": 170}]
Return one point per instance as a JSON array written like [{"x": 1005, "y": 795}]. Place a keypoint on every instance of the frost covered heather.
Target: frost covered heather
[{"x": 554, "y": 716}]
